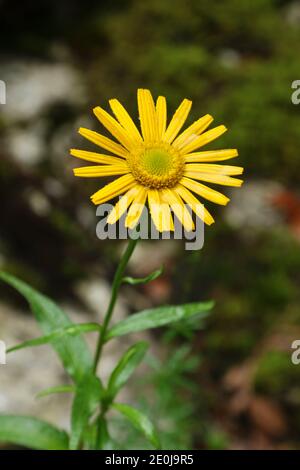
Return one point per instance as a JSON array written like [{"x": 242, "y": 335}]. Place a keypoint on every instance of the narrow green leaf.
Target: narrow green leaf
[
  {"x": 96, "y": 435},
  {"x": 140, "y": 422},
  {"x": 89, "y": 436},
  {"x": 72, "y": 330},
  {"x": 153, "y": 318},
  {"x": 32, "y": 433},
  {"x": 87, "y": 398},
  {"x": 143, "y": 280},
  {"x": 104, "y": 439},
  {"x": 126, "y": 366},
  {"x": 73, "y": 352},
  {"x": 58, "y": 389}
]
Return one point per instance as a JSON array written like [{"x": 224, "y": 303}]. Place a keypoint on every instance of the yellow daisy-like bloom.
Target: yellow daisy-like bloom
[{"x": 157, "y": 164}]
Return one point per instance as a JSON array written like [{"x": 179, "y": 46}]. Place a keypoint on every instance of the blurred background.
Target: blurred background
[{"x": 229, "y": 382}]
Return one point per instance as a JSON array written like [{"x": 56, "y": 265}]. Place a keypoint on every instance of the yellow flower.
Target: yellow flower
[{"x": 159, "y": 164}]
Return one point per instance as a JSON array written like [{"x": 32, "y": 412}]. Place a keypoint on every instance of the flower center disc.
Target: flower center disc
[{"x": 157, "y": 167}]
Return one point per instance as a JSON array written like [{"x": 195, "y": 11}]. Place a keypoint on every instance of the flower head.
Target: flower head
[{"x": 158, "y": 164}]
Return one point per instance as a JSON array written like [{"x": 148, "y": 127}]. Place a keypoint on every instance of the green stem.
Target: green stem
[{"x": 114, "y": 294}]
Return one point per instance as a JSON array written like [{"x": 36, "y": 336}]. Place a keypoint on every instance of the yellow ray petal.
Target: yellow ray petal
[
  {"x": 215, "y": 179},
  {"x": 193, "y": 131},
  {"x": 161, "y": 111},
  {"x": 204, "y": 139},
  {"x": 178, "y": 207},
  {"x": 113, "y": 189},
  {"x": 125, "y": 120},
  {"x": 167, "y": 219},
  {"x": 195, "y": 204},
  {"x": 136, "y": 208},
  {"x": 103, "y": 142},
  {"x": 101, "y": 170},
  {"x": 211, "y": 155},
  {"x": 114, "y": 127},
  {"x": 205, "y": 191},
  {"x": 215, "y": 169},
  {"x": 155, "y": 210},
  {"x": 177, "y": 120},
  {"x": 122, "y": 205},
  {"x": 148, "y": 117},
  {"x": 95, "y": 157}
]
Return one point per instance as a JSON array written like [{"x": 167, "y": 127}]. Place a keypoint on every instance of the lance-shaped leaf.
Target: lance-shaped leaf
[
  {"x": 58, "y": 389},
  {"x": 32, "y": 433},
  {"x": 143, "y": 280},
  {"x": 96, "y": 435},
  {"x": 153, "y": 318},
  {"x": 86, "y": 400},
  {"x": 73, "y": 351},
  {"x": 140, "y": 421},
  {"x": 126, "y": 366},
  {"x": 104, "y": 440},
  {"x": 72, "y": 330}
]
